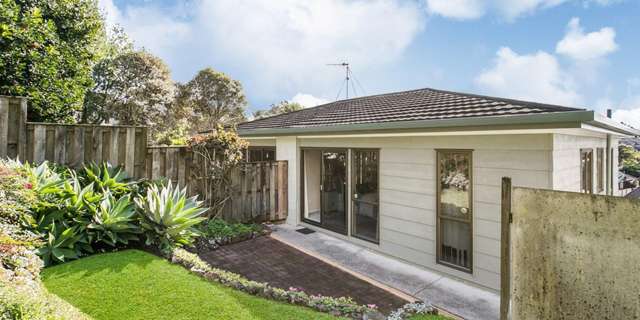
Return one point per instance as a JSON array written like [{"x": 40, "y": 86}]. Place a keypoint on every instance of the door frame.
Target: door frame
[{"x": 345, "y": 197}]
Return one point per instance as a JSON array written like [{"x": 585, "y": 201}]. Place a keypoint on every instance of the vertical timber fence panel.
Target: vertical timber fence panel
[
  {"x": 573, "y": 256},
  {"x": 259, "y": 189},
  {"x": 73, "y": 145}
]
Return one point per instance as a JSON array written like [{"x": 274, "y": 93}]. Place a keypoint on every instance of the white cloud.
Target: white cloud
[
  {"x": 512, "y": 9},
  {"x": 507, "y": 9},
  {"x": 275, "y": 48},
  {"x": 628, "y": 116},
  {"x": 628, "y": 109},
  {"x": 536, "y": 77},
  {"x": 580, "y": 46},
  {"x": 457, "y": 9},
  {"x": 307, "y": 100}
]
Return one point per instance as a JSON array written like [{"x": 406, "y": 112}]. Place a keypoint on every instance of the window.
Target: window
[
  {"x": 586, "y": 170},
  {"x": 365, "y": 197},
  {"x": 455, "y": 217},
  {"x": 600, "y": 169},
  {"x": 257, "y": 154}
]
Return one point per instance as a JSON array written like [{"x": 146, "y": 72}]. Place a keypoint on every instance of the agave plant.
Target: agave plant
[
  {"x": 168, "y": 216},
  {"x": 107, "y": 178},
  {"x": 62, "y": 243},
  {"x": 112, "y": 221},
  {"x": 46, "y": 180}
]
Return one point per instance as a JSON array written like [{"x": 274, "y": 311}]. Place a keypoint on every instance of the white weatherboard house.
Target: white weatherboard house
[{"x": 416, "y": 175}]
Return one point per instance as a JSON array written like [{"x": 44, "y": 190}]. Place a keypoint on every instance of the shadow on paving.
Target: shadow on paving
[{"x": 265, "y": 259}]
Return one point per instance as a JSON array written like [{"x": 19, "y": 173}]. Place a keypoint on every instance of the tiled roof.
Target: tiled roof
[{"x": 421, "y": 104}]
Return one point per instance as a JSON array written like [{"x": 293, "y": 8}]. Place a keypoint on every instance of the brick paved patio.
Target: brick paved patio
[{"x": 268, "y": 260}]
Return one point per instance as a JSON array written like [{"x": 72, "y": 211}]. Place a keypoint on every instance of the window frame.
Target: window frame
[
  {"x": 353, "y": 191},
  {"x": 439, "y": 154},
  {"x": 600, "y": 170},
  {"x": 262, "y": 150},
  {"x": 586, "y": 178}
]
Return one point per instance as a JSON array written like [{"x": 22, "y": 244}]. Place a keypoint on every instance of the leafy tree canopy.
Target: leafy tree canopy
[
  {"x": 629, "y": 160},
  {"x": 47, "y": 50},
  {"x": 210, "y": 99},
  {"x": 276, "y": 109},
  {"x": 134, "y": 88}
]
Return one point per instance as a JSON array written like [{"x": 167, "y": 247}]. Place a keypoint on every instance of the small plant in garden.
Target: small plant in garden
[
  {"x": 168, "y": 217},
  {"x": 112, "y": 223},
  {"x": 220, "y": 229},
  {"x": 107, "y": 178}
]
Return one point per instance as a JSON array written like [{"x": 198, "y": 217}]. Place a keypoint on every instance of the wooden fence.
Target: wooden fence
[{"x": 259, "y": 188}]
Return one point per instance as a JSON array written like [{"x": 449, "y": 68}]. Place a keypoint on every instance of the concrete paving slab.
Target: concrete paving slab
[{"x": 451, "y": 295}]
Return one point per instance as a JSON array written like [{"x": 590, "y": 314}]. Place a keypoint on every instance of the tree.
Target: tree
[
  {"x": 629, "y": 160},
  {"x": 211, "y": 98},
  {"x": 134, "y": 88},
  {"x": 276, "y": 109},
  {"x": 95, "y": 108},
  {"x": 47, "y": 50}
]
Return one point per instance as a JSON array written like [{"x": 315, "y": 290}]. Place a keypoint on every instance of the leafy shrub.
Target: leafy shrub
[
  {"x": 16, "y": 198},
  {"x": 168, "y": 217},
  {"x": 219, "y": 229},
  {"x": 107, "y": 178},
  {"x": 112, "y": 222}
]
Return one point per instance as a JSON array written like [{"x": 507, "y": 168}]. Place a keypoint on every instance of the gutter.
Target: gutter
[{"x": 546, "y": 119}]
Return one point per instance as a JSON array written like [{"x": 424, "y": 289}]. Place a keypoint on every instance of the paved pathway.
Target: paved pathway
[
  {"x": 268, "y": 260},
  {"x": 451, "y": 295}
]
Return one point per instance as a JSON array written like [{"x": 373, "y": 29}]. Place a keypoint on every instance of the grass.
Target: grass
[{"x": 132, "y": 284}]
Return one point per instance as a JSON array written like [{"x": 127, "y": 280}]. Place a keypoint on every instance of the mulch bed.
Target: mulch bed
[{"x": 265, "y": 259}]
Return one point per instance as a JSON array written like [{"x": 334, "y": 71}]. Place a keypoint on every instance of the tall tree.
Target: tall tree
[
  {"x": 212, "y": 98},
  {"x": 276, "y": 109},
  {"x": 96, "y": 107},
  {"x": 134, "y": 88},
  {"x": 47, "y": 50}
]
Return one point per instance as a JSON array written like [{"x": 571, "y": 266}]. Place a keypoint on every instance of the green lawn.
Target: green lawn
[{"x": 133, "y": 284}]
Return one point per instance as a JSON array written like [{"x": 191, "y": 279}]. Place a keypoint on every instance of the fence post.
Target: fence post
[
  {"x": 4, "y": 126},
  {"x": 505, "y": 250}
]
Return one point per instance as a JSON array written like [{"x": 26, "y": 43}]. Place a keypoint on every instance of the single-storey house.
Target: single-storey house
[{"x": 416, "y": 175}]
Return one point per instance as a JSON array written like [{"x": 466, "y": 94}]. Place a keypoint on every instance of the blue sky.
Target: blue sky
[{"x": 579, "y": 53}]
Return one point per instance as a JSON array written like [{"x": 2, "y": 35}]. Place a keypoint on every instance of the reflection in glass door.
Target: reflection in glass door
[
  {"x": 454, "y": 209},
  {"x": 324, "y": 188},
  {"x": 365, "y": 194},
  {"x": 333, "y": 190}
]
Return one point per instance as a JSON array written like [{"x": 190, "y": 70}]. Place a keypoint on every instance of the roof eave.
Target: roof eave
[
  {"x": 609, "y": 124},
  {"x": 529, "y": 119}
]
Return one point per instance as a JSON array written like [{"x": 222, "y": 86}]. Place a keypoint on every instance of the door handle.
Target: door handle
[{"x": 321, "y": 188}]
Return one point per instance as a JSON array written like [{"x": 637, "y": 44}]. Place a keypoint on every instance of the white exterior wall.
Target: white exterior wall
[
  {"x": 408, "y": 193},
  {"x": 408, "y": 188},
  {"x": 566, "y": 161}
]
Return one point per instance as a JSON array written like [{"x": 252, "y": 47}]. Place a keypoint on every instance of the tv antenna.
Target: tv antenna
[{"x": 349, "y": 79}]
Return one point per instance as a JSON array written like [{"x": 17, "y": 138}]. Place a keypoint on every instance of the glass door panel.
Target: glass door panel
[
  {"x": 333, "y": 190},
  {"x": 311, "y": 175},
  {"x": 454, "y": 208},
  {"x": 365, "y": 196}
]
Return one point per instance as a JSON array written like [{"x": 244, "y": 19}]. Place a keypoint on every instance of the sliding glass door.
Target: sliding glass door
[
  {"x": 365, "y": 196},
  {"x": 324, "y": 188}
]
